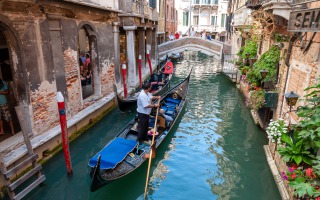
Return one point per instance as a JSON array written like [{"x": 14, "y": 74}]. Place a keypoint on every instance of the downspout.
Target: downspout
[
  {"x": 287, "y": 62},
  {"x": 165, "y": 19}
]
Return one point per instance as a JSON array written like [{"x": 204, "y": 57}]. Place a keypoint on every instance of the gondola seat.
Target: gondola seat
[
  {"x": 176, "y": 101},
  {"x": 114, "y": 153}
]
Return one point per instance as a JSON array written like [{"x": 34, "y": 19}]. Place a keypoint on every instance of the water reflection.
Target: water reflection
[{"x": 216, "y": 142}]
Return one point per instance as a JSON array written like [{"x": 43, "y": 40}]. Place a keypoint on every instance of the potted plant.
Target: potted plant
[
  {"x": 256, "y": 99},
  {"x": 244, "y": 69},
  {"x": 304, "y": 182},
  {"x": 295, "y": 151},
  {"x": 276, "y": 129}
]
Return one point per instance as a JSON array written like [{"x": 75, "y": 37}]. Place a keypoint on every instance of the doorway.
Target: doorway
[{"x": 7, "y": 79}]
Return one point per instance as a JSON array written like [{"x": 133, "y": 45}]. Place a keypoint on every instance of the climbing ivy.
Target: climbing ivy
[
  {"x": 250, "y": 47},
  {"x": 280, "y": 38},
  {"x": 267, "y": 61}
]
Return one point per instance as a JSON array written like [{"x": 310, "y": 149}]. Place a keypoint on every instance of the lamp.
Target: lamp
[
  {"x": 263, "y": 74},
  {"x": 291, "y": 99},
  {"x": 253, "y": 60}
]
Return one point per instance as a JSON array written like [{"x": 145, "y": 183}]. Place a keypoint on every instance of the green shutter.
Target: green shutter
[{"x": 223, "y": 18}]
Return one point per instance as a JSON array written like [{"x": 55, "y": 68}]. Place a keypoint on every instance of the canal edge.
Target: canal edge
[{"x": 276, "y": 174}]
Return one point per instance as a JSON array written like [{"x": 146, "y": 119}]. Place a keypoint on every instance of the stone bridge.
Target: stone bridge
[{"x": 212, "y": 48}]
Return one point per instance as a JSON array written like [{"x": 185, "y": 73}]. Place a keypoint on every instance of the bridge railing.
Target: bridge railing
[
  {"x": 229, "y": 62},
  {"x": 189, "y": 43}
]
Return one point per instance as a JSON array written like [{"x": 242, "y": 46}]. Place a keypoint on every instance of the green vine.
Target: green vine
[
  {"x": 250, "y": 47},
  {"x": 280, "y": 38},
  {"x": 267, "y": 61}
]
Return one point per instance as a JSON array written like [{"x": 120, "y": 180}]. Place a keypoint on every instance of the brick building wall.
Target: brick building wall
[
  {"x": 45, "y": 55},
  {"x": 72, "y": 71}
]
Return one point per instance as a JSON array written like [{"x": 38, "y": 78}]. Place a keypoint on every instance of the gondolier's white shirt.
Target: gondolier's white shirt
[{"x": 143, "y": 101}]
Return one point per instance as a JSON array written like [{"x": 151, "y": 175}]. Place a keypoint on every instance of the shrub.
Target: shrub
[{"x": 256, "y": 99}]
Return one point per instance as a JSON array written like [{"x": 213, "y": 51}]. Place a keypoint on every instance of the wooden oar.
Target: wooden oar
[{"x": 151, "y": 152}]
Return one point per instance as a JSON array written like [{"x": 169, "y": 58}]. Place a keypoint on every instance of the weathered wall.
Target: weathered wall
[{"x": 48, "y": 36}]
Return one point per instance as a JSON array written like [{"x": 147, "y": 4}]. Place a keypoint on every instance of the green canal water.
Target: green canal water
[{"x": 215, "y": 151}]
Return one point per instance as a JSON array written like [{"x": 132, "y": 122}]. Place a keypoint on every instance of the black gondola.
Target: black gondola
[
  {"x": 160, "y": 82},
  {"x": 124, "y": 154},
  {"x": 175, "y": 56}
]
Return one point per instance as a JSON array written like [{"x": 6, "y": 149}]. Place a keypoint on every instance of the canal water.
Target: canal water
[{"x": 215, "y": 151}]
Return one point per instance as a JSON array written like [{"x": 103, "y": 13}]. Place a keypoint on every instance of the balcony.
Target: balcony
[
  {"x": 205, "y": 3},
  {"x": 105, "y": 5},
  {"x": 207, "y": 28},
  {"x": 253, "y": 4},
  {"x": 139, "y": 8}
]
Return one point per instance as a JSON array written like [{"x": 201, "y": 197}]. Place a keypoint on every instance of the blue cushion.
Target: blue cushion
[
  {"x": 151, "y": 121},
  {"x": 176, "y": 101},
  {"x": 170, "y": 104},
  {"x": 165, "y": 108},
  {"x": 170, "y": 112}
]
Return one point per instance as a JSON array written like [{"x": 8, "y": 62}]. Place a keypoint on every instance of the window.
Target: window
[
  {"x": 153, "y": 3},
  {"x": 205, "y": 2},
  {"x": 223, "y": 20},
  {"x": 214, "y": 20},
  {"x": 196, "y": 1},
  {"x": 195, "y": 20},
  {"x": 185, "y": 19},
  {"x": 215, "y": 1}
]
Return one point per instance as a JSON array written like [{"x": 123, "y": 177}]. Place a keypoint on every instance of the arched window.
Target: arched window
[{"x": 87, "y": 59}]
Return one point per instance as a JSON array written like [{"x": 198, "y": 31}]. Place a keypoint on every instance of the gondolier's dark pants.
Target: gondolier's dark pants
[{"x": 143, "y": 125}]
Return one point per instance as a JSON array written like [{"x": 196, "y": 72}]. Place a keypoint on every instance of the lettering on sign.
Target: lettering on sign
[{"x": 305, "y": 21}]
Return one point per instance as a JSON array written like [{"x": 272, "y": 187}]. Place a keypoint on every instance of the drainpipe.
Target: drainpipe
[
  {"x": 287, "y": 62},
  {"x": 165, "y": 19}
]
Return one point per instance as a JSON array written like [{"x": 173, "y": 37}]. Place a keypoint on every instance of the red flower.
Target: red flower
[
  {"x": 294, "y": 166},
  {"x": 293, "y": 176},
  {"x": 309, "y": 172},
  {"x": 317, "y": 198}
]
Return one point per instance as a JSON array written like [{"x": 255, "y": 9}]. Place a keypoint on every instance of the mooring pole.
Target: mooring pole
[
  {"x": 140, "y": 69},
  {"x": 149, "y": 62},
  {"x": 124, "y": 77},
  {"x": 64, "y": 132}
]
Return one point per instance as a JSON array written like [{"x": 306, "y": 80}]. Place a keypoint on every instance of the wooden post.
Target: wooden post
[
  {"x": 124, "y": 77},
  {"x": 149, "y": 62},
  {"x": 140, "y": 69}
]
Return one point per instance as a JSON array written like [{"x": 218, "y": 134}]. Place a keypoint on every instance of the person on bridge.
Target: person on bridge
[
  {"x": 176, "y": 35},
  {"x": 192, "y": 32},
  {"x": 208, "y": 37},
  {"x": 171, "y": 36},
  {"x": 144, "y": 107},
  {"x": 204, "y": 34}
]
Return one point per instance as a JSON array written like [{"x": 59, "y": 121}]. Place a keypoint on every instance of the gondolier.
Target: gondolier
[{"x": 144, "y": 107}]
